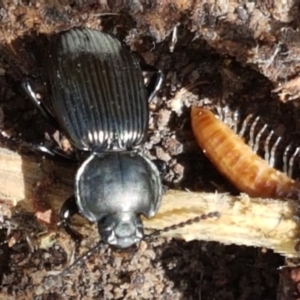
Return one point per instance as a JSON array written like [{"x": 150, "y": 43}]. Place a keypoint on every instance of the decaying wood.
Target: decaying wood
[
  {"x": 244, "y": 221},
  {"x": 38, "y": 186}
]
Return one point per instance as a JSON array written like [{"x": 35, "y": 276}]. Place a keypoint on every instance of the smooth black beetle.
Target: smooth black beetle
[{"x": 99, "y": 101}]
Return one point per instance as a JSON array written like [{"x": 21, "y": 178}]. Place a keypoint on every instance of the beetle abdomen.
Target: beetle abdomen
[{"x": 98, "y": 95}]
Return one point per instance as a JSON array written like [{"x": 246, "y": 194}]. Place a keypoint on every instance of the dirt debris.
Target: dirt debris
[{"x": 227, "y": 54}]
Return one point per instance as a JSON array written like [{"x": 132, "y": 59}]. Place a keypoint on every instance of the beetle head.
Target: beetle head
[{"x": 121, "y": 229}]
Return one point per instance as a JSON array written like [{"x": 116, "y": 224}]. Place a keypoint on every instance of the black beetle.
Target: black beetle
[{"x": 99, "y": 101}]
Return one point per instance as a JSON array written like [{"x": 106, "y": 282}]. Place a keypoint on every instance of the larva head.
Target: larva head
[{"x": 52, "y": 280}]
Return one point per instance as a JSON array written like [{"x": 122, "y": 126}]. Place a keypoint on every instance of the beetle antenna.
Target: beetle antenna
[
  {"x": 197, "y": 219},
  {"x": 51, "y": 280}
]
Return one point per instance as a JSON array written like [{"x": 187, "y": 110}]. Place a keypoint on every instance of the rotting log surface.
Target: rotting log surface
[{"x": 244, "y": 221}]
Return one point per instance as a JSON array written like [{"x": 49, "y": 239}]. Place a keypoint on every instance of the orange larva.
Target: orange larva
[{"x": 237, "y": 162}]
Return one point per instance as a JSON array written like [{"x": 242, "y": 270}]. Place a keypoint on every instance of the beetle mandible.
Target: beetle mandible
[{"x": 99, "y": 101}]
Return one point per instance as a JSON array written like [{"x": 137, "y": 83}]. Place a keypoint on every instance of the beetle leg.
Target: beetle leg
[
  {"x": 161, "y": 166},
  {"x": 47, "y": 149},
  {"x": 33, "y": 96},
  {"x": 157, "y": 85},
  {"x": 54, "y": 152},
  {"x": 155, "y": 82},
  {"x": 69, "y": 209}
]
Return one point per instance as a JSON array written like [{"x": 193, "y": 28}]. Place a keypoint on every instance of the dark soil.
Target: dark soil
[{"x": 195, "y": 73}]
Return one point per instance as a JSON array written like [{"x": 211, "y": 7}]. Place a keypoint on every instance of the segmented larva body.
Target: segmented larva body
[{"x": 237, "y": 162}]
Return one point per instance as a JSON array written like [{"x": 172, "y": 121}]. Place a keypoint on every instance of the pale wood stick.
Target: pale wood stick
[
  {"x": 26, "y": 180},
  {"x": 246, "y": 221}
]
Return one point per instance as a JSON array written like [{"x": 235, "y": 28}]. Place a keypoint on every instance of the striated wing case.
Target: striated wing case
[{"x": 98, "y": 94}]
